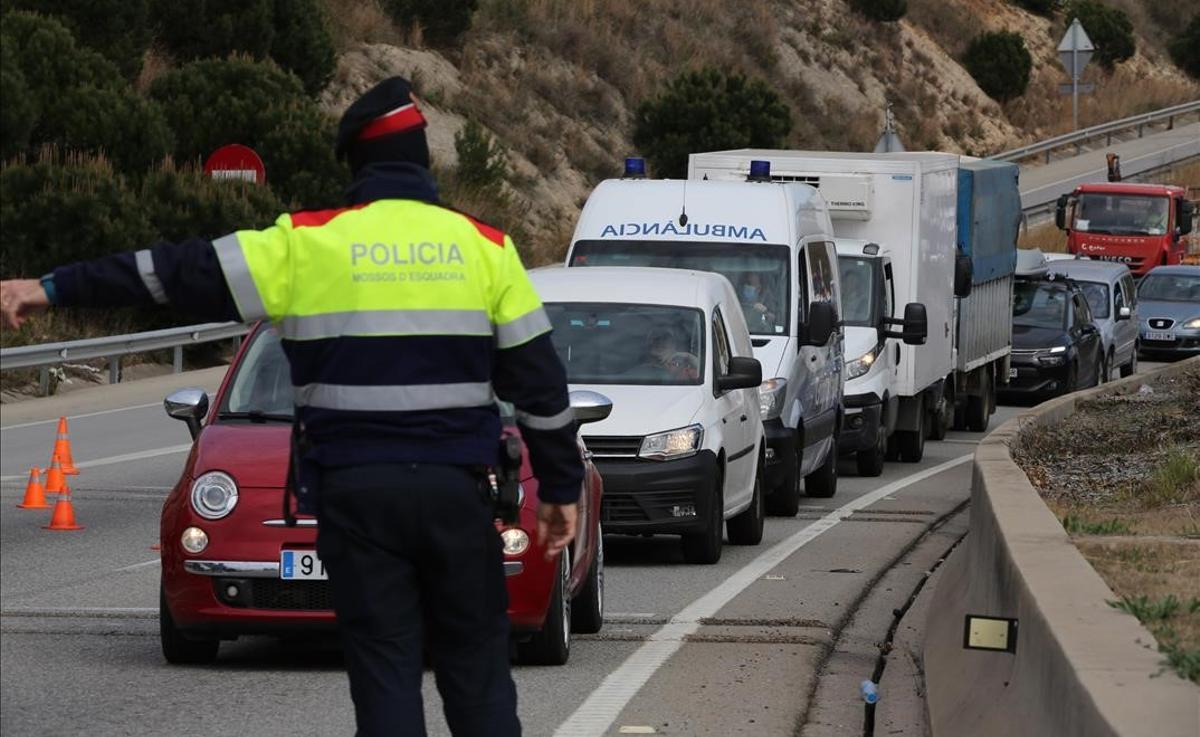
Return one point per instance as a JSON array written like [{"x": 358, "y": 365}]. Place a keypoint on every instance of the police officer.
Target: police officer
[{"x": 402, "y": 320}]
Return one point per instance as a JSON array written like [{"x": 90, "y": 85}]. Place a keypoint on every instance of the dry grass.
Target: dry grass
[
  {"x": 1046, "y": 236},
  {"x": 1185, "y": 176},
  {"x": 355, "y": 22}
]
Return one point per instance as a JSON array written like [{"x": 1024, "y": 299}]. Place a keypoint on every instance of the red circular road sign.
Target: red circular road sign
[{"x": 236, "y": 161}]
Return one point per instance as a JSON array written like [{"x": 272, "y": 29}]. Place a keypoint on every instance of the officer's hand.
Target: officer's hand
[
  {"x": 556, "y": 526},
  {"x": 19, "y": 298}
]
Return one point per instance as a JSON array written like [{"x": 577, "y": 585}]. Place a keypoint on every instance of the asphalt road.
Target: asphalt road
[{"x": 771, "y": 641}]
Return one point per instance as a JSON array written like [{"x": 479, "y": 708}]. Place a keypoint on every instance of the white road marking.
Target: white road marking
[
  {"x": 136, "y": 566},
  {"x": 596, "y": 714},
  {"x": 115, "y": 612},
  {"x": 141, "y": 455},
  {"x": 85, "y": 414}
]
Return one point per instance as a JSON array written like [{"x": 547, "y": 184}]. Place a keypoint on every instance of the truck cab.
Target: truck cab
[
  {"x": 774, "y": 243},
  {"x": 1139, "y": 225}
]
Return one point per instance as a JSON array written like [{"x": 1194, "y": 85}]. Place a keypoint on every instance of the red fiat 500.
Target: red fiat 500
[{"x": 230, "y": 566}]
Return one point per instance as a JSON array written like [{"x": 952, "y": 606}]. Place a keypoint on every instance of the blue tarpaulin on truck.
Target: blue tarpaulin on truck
[{"x": 989, "y": 216}]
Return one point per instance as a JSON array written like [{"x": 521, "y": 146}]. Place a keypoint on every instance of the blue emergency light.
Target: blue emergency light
[
  {"x": 760, "y": 171},
  {"x": 635, "y": 167}
]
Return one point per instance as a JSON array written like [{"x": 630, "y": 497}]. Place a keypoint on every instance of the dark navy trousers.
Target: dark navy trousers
[{"x": 415, "y": 562}]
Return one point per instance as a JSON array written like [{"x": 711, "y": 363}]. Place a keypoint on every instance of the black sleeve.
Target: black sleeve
[
  {"x": 534, "y": 380},
  {"x": 186, "y": 275}
]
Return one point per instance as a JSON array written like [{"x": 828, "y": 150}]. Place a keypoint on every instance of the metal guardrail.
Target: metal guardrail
[
  {"x": 1079, "y": 137},
  {"x": 113, "y": 347}
]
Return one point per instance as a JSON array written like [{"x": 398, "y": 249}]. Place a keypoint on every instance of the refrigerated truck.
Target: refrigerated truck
[{"x": 933, "y": 215}]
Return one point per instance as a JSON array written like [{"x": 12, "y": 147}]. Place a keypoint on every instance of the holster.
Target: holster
[
  {"x": 506, "y": 487},
  {"x": 303, "y": 478}
]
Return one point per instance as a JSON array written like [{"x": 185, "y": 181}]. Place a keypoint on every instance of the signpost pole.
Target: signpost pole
[{"x": 1074, "y": 87}]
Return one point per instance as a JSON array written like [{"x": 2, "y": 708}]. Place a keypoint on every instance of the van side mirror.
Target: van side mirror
[
  {"x": 1124, "y": 313},
  {"x": 744, "y": 373},
  {"x": 822, "y": 321},
  {"x": 964, "y": 273},
  {"x": 189, "y": 405},
  {"x": 914, "y": 328},
  {"x": 1060, "y": 211},
  {"x": 589, "y": 406},
  {"x": 1187, "y": 211}
]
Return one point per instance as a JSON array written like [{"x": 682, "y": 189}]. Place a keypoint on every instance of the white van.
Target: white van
[
  {"x": 682, "y": 451},
  {"x": 774, "y": 242}
]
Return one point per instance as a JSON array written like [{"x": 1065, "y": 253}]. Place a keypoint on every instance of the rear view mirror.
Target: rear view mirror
[
  {"x": 964, "y": 272},
  {"x": 822, "y": 320},
  {"x": 744, "y": 373},
  {"x": 914, "y": 327},
  {"x": 1124, "y": 314},
  {"x": 590, "y": 406},
  {"x": 1187, "y": 211},
  {"x": 189, "y": 405},
  {"x": 1060, "y": 211}
]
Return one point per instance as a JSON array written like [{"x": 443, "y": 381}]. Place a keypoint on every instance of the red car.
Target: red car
[{"x": 230, "y": 566}]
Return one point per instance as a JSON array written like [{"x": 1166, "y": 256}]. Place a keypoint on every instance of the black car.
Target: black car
[{"x": 1057, "y": 348}]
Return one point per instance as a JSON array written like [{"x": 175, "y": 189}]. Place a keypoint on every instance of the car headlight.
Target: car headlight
[
  {"x": 666, "y": 446},
  {"x": 862, "y": 364},
  {"x": 516, "y": 541},
  {"x": 1192, "y": 324},
  {"x": 214, "y": 495},
  {"x": 1058, "y": 349},
  {"x": 770, "y": 398}
]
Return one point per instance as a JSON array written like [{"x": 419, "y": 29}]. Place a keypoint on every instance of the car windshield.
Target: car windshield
[
  {"x": 1039, "y": 305},
  {"x": 1123, "y": 214},
  {"x": 263, "y": 382},
  {"x": 858, "y": 293},
  {"x": 1097, "y": 297},
  {"x": 608, "y": 343},
  {"x": 759, "y": 273},
  {"x": 1170, "y": 287}
]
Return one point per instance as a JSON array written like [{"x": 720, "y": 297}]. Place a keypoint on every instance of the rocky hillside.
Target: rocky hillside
[{"x": 557, "y": 81}]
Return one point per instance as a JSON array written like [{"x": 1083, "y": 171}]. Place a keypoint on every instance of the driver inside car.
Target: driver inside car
[{"x": 664, "y": 353}]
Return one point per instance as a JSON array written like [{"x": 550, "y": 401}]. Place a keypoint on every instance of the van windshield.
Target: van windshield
[
  {"x": 609, "y": 343},
  {"x": 1122, "y": 214},
  {"x": 760, "y": 274}
]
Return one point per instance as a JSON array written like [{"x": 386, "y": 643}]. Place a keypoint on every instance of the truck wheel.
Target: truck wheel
[
  {"x": 912, "y": 442},
  {"x": 705, "y": 547},
  {"x": 943, "y": 416},
  {"x": 979, "y": 408},
  {"x": 1131, "y": 368},
  {"x": 822, "y": 483},
  {"x": 785, "y": 501},
  {"x": 747, "y": 527},
  {"x": 551, "y": 645},
  {"x": 870, "y": 462},
  {"x": 177, "y": 648},
  {"x": 587, "y": 608}
]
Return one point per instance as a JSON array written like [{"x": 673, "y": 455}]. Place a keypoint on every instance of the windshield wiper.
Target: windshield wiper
[{"x": 255, "y": 415}]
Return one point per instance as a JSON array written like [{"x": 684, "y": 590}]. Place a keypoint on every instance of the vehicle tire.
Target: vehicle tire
[
  {"x": 747, "y": 527},
  {"x": 177, "y": 648},
  {"x": 587, "y": 608},
  {"x": 1072, "y": 377},
  {"x": 822, "y": 483},
  {"x": 551, "y": 645},
  {"x": 705, "y": 547},
  {"x": 911, "y": 443},
  {"x": 943, "y": 416},
  {"x": 1101, "y": 371},
  {"x": 785, "y": 501},
  {"x": 979, "y": 408},
  {"x": 1131, "y": 368},
  {"x": 870, "y": 462}
]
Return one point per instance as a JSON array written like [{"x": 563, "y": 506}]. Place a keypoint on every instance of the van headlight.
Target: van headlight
[
  {"x": 770, "y": 398},
  {"x": 862, "y": 364},
  {"x": 666, "y": 446},
  {"x": 214, "y": 495}
]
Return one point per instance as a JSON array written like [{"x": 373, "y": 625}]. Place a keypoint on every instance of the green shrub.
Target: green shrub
[
  {"x": 214, "y": 102},
  {"x": 1185, "y": 49},
  {"x": 1109, "y": 28},
  {"x": 19, "y": 110},
  {"x": 63, "y": 208},
  {"x": 1000, "y": 63},
  {"x": 48, "y": 58},
  {"x": 182, "y": 203},
  {"x": 1041, "y": 7},
  {"x": 441, "y": 20},
  {"x": 118, "y": 29},
  {"x": 196, "y": 29},
  {"x": 130, "y": 130},
  {"x": 303, "y": 43},
  {"x": 884, "y": 11},
  {"x": 482, "y": 162},
  {"x": 707, "y": 110}
]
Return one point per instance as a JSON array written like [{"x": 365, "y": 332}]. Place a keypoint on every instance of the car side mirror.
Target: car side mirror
[
  {"x": 914, "y": 327},
  {"x": 744, "y": 373},
  {"x": 1187, "y": 211},
  {"x": 822, "y": 320},
  {"x": 1124, "y": 313},
  {"x": 964, "y": 272},
  {"x": 1060, "y": 211},
  {"x": 189, "y": 405},
  {"x": 590, "y": 406}
]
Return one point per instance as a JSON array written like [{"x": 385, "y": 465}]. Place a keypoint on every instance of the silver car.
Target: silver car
[
  {"x": 1110, "y": 293},
  {"x": 1170, "y": 310}
]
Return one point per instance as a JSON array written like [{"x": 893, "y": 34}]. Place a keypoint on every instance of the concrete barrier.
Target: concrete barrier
[{"x": 1081, "y": 668}]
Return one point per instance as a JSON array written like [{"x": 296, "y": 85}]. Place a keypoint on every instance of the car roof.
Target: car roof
[
  {"x": 1088, "y": 270},
  {"x": 1192, "y": 269},
  {"x": 631, "y": 285}
]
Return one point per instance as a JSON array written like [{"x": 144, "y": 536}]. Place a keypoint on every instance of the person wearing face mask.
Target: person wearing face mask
[{"x": 755, "y": 301}]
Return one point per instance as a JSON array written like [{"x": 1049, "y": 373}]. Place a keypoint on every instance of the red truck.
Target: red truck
[{"x": 1139, "y": 225}]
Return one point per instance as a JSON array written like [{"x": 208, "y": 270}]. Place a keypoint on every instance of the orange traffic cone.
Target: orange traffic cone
[
  {"x": 56, "y": 483},
  {"x": 62, "y": 448},
  {"x": 35, "y": 495},
  {"x": 63, "y": 517}
]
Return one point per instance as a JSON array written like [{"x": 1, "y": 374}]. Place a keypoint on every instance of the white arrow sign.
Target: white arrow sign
[{"x": 1076, "y": 49}]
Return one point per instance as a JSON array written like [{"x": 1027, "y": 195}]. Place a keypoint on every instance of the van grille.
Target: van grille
[{"x": 613, "y": 447}]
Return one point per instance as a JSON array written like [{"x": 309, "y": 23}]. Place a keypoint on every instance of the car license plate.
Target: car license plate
[
  {"x": 301, "y": 565},
  {"x": 1012, "y": 373},
  {"x": 1153, "y": 335}
]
